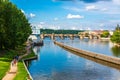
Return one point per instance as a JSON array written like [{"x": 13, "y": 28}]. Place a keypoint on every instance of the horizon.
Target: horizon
[{"x": 71, "y": 14}]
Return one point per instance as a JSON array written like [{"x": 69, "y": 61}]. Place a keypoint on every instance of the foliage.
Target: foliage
[
  {"x": 50, "y": 31},
  {"x": 14, "y": 27},
  {"x": 105, "y": 33},
  {"x": 116, "y": 51},
  {"x": 116, "y": 35},
  {"x": 117, "y": 28}
]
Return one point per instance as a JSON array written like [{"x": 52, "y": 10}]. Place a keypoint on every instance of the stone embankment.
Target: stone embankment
[{"x": 110, "y": 59}]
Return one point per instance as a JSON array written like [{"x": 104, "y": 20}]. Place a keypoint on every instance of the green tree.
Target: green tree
[
  {"x": 14, "y": 27},
  {"x": 116, "y": 36},
  {"x": 105, "y": 33}
]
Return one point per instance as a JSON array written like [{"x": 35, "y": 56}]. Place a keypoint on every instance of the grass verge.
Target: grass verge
[
  {"x": 5, "y": 61},
  {"x": 22, "y": 73}
]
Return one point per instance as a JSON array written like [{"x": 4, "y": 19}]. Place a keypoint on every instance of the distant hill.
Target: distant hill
[{"x": 50, "y": 31}]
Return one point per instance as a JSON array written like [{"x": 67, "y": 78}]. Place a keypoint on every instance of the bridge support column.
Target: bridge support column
[
  {"x": 90, "y": 37},
  {"x": 71, "y": 37},
  {"x": 41, "y": 36},
  {"x": 61, "y": 36},
  {"x": 52, "y": 36},
  {"x": 81, "y": 36}
]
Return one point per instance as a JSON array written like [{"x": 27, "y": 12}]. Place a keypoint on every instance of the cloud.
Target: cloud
[
  {"x": 71, "y": 16},
  {"x": 101, "y": 25},
  {"x": 91, "y": 7},
  {"x": 32, "y": 15},
  {"x": 93, "y": 1},
  {"x": 55, "y": 19},
  {"x": 104, "y": 9},
  {"x": 73, "y": 9},
  {"x": 42, "y": 23},
  {"x": 116, "y": 2},
  {"x": 22, "y": 11}
]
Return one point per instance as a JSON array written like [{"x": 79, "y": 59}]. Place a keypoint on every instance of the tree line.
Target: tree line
[
  {"x": 14, "y": 26},
  {"x": 50, "y": 31},
  {"x": 116, "y": 35}
]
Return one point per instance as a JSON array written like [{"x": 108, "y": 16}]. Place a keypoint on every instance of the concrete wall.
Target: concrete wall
[{"x": 110, "y": 59}]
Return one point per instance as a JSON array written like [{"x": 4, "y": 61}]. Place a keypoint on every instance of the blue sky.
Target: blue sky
[{"x": 71, "y": 14}]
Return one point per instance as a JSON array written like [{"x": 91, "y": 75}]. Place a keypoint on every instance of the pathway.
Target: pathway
[{"x": 11, "y": 73}]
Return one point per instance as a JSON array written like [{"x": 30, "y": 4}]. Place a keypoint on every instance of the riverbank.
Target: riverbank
[{"x": 5, "y": 61}]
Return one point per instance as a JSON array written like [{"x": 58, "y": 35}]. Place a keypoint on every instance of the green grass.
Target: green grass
[
  {"x": 22, "y": 73},
  {"x": 5, "y": 61},
  {"x": 4, "y": 67}
]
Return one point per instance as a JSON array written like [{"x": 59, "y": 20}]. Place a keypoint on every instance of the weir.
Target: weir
[{"x": 114, "y": 61}]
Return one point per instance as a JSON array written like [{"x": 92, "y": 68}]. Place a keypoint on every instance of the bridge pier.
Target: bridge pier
[
  {"x": 90, "y": 37},
  {"x": 52, "y": 36},
  {"x": 42, "y": 36}
]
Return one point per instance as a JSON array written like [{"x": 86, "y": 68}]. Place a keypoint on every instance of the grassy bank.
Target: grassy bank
[
  {"x": 22, "y": 73},
  {"x": 5, "y": 60}
]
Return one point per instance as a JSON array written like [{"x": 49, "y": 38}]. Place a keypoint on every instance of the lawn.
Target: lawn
[
  {"x": 22, "y": 73},
  {"x": 4, "y": 67},
  {"x": 5, "y": 62}
]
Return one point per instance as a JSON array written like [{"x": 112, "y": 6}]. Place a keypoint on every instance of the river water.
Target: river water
[{"x": 55, "y": 63}]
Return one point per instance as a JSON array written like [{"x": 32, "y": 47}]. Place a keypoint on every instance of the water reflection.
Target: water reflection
[
  {"x": 116, "y": 51},
  {"x": 56, "y": 63}
]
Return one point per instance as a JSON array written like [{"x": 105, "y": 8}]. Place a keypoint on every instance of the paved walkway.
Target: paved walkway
[{"x": 11, "y": 73}]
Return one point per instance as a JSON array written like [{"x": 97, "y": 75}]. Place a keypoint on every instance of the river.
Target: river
[{"x": 55, "y": 63}]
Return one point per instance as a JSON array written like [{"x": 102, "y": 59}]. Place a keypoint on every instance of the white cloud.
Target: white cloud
[
  {"x": 104, "y": 9},
  {"x": 42, "y": 23},
  {"x": 32, "y": 15},
  {"x": 116, "y": 2},
  {"x": 101, "y": 25},
  {"x": 114, "y": 21},
  {"x": 71, "y": 16},
  {"x": 91, "y": 7},
  {"x": 55, "y": 19},
  {"x": 22, "y": 11}
]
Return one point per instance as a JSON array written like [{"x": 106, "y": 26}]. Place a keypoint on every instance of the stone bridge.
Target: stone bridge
[{"x": 71, "y": 36}]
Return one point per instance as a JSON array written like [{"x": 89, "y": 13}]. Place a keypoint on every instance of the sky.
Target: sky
[{"x": 71, "y": 14}]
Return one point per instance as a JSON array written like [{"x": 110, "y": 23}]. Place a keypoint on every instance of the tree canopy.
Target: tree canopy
[
  {"x": 105, "y": 33},
  {"x": 50, "y": 31},
  {"x": 116, "y": 36},
  {"x": 14, "y": 26}
]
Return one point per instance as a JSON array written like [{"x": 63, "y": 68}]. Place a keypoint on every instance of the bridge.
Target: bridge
[{"x": 71, "y": 36}]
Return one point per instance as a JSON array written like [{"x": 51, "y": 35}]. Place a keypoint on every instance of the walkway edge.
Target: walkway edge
[
  {"x": 27, "y": 70},
  {"x": 110, "y": 59}
]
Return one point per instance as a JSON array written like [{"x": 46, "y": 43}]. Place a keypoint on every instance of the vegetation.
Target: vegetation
[
  {"x": 14, "y": 27},
  {"x": 105, "y": 34},
  {"x": 22, "y": 73},
  {"x": 116, "y": 36},
  {"x": 50, "y": 31},
  {"x": 116, "y": 51},
  {"x": 5, "y": 60}
]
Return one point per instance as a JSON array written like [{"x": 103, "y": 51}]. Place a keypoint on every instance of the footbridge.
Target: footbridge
[
  {"x": 99, "y": 58},
  {"x": 71, "y": 36}
]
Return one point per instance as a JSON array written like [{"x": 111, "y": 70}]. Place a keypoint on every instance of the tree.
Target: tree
[
  {"x": 116, "y": 36},
  {"x": 14, "y": 27},
  {"x": 105, "y": 33}
]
